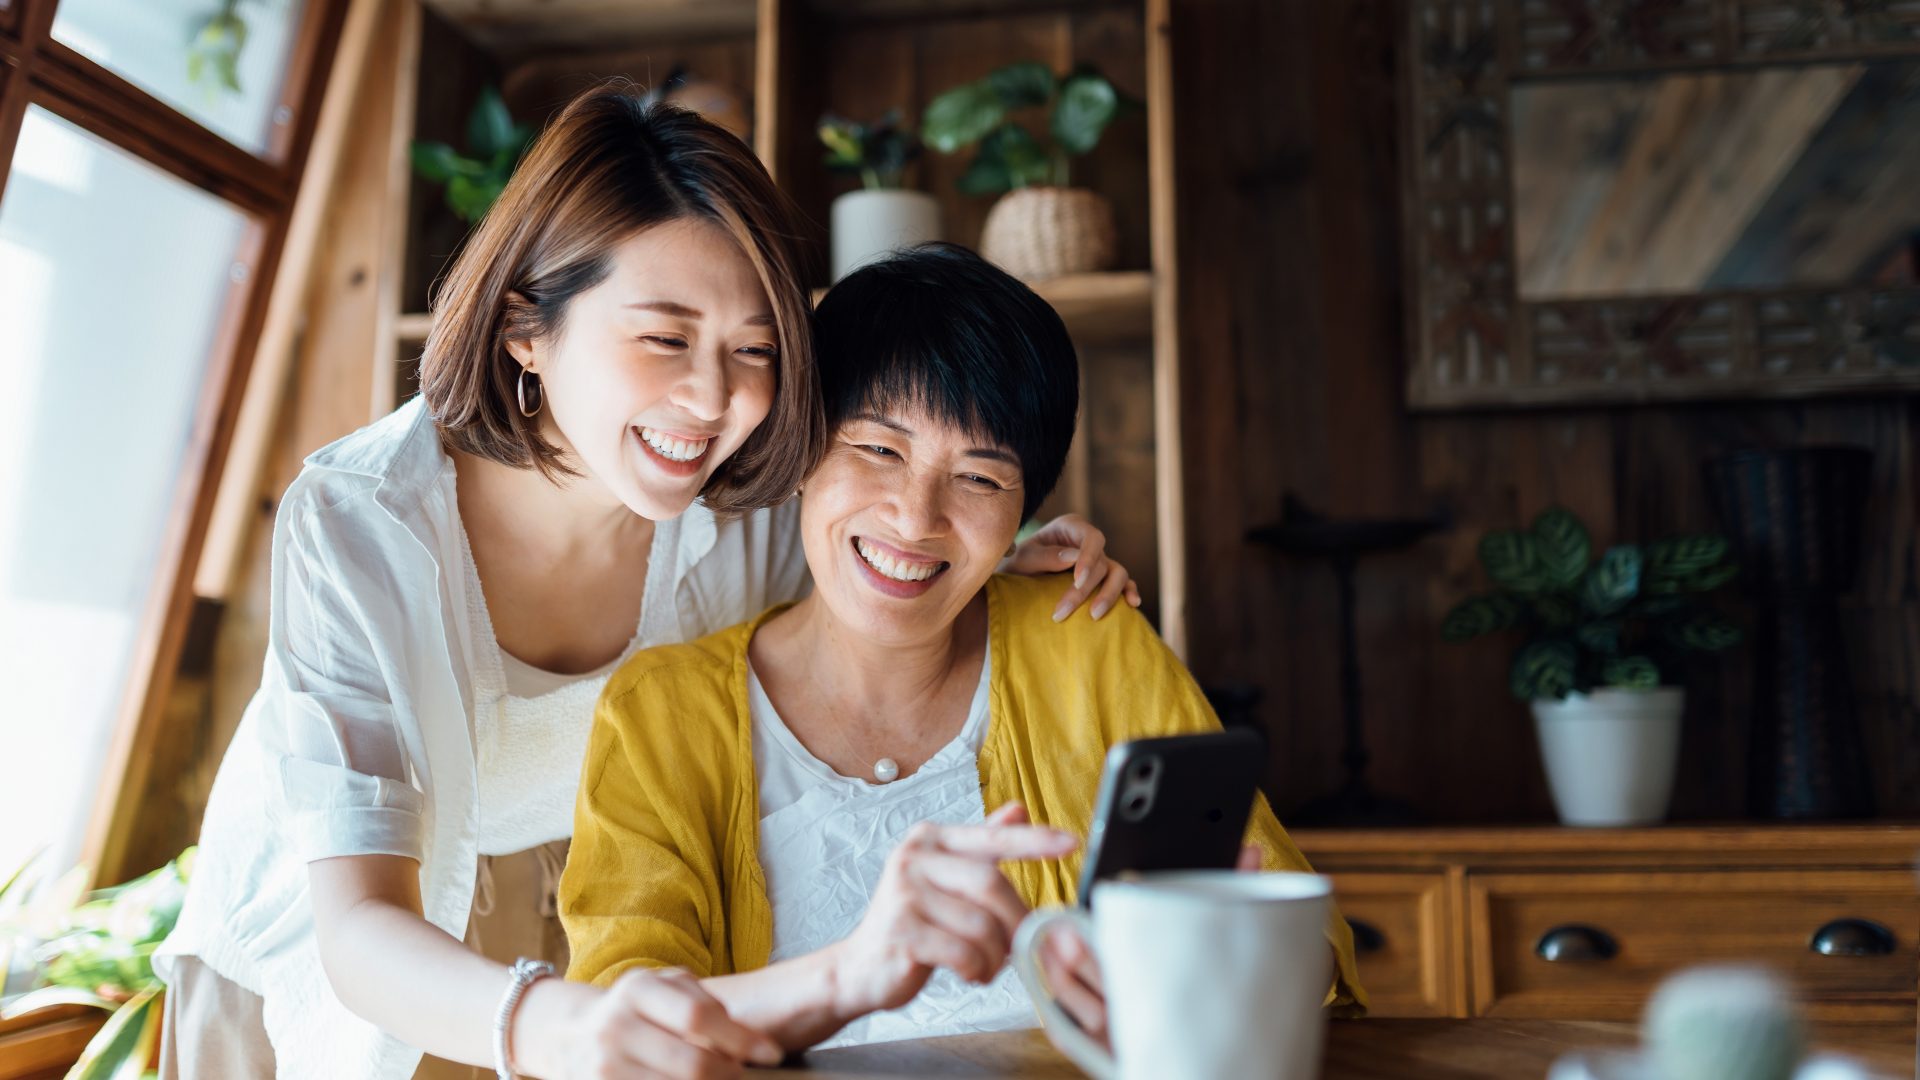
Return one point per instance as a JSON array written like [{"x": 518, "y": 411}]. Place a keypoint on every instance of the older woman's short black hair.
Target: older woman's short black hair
[{"x": 939, "y": 328}]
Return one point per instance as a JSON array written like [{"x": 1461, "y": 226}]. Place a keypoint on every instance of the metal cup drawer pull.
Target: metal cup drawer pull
[
  {"x": 1367, "y": 938},
  {"x": 1852, "y": 937},
  {"x": 1576, "y": 944}
]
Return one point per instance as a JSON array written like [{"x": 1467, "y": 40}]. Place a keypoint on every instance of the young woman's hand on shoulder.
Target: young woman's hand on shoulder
[{"x": 1071, "y": 542}]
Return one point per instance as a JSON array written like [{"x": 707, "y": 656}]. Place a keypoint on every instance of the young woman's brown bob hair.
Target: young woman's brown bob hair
[{"x": 608, "y": 166}]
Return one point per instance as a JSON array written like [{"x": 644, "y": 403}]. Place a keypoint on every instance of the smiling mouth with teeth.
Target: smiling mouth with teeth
[
  {"x": 674, "y": 449},
  {"x": 896, "y": 569}
]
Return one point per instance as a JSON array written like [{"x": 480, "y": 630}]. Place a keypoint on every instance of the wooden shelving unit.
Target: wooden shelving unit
[{"x": 793, "y": 60}]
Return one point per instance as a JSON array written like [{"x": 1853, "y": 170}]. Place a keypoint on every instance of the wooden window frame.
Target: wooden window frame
[{"x": 37, "y": 70}]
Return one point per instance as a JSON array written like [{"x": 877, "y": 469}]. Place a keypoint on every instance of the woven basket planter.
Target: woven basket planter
[{"x": 1037, "y": 233}]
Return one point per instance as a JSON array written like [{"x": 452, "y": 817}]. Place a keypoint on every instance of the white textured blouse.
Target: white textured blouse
[
  {"x": 530, "y": 725},
  {"x": 364, "y": 737},
  {"x": 824, "y": 842}
]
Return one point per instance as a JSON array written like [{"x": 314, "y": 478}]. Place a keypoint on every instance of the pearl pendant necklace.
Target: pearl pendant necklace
[{"x": 886, "y": 770}]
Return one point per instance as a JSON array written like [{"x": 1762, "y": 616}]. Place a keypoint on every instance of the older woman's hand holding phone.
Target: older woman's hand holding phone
[{"x": 942, "y": 902}]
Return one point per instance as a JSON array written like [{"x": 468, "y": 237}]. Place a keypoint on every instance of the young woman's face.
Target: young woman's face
[
  {"x": 904, "y": 520},
  {"x": 661, "y": 371}
]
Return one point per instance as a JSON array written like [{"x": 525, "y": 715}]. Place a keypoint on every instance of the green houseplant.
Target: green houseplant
[
  {"x": 96, "y": 950},
  {"x": 476, "y": 178},
  {"x": 1603, "y": 644},
  {"x": 880, "y": 217},
  {"x": 1041, "y": 227}
]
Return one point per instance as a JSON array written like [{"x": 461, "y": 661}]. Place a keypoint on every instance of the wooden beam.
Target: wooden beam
[
  {"x": 403, "y": 101},
  {"x": 776, "y": 23},
  {"x": 1169, "y": 481},
  {"x": 234, "y": 505}
]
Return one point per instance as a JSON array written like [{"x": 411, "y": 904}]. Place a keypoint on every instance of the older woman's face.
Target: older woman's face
[{"x": 905, "y": 519}]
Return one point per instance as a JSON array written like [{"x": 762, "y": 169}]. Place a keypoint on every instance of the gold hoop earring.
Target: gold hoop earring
[{"x": 539, "y": 394}]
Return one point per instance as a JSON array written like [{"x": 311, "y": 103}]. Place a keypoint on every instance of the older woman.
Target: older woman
[{"x": 796, "y": 809}]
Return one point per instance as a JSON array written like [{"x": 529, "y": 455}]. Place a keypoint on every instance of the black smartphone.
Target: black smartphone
[{"x": 1174, "y": 803}]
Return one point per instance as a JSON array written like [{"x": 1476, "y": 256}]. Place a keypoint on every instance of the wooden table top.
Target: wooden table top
[{"x": 1356, "y": 1050}]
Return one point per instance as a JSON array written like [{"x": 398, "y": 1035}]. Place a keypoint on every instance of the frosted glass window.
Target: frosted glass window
[
  {"x": 115, "y": 275},
  {"x": 220, "y": 62}
]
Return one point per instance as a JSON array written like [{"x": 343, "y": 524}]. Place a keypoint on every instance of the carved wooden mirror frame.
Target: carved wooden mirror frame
[{"x": 1476, "y": 344}]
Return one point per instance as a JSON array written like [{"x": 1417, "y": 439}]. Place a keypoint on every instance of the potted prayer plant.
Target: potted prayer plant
[
  {"x": 1604, "y": 641},
  {"x": 880, "y": 217},
  {"x": 1041, "y": 227}
]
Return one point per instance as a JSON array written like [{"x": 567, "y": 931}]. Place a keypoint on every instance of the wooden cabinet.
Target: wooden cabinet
[
  {"x": 1403, "y": 940},
  {"x": 1582, "y": 925}
]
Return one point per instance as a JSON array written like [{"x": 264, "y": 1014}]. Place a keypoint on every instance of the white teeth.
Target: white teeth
[
  {"x": 674, "y": 449},
  {"x": 897, "y": 569}
]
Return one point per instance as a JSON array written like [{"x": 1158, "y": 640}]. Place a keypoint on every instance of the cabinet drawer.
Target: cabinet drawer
[
  {"x": 1613, "y": 936},
  {"x": 1402, "y": 942}
]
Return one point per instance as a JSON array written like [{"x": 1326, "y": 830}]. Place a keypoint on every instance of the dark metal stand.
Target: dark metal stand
[{"x": 1303, "y": 533}]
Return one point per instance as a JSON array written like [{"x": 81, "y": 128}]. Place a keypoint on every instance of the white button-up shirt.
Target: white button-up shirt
[{"x": 360, "y": 740}]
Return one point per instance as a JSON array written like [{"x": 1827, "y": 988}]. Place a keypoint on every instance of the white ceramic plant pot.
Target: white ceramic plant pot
[
  {"x": 870, "y": 224},
  {"x": 1610, "y": 755}
]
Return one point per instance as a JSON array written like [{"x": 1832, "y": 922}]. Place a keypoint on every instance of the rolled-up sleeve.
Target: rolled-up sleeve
[{"x": 333, "y": 734}]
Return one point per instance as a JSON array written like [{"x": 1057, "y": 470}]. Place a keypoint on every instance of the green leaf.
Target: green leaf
[
  {"x": 1543, "y": 669},
  {"x": 1557, "y": 610},
  {"x": 1022, "y": 85},
  {"x": 1630, "y": 673},
  {"x": 48, "y": 996},
  {"x": 121, "y": 1048},
  {"x": 1713, "y": 577},
  {"x": 1512, "y": 559},
  {"x": 1027, "y": 161},
  {"x": 1564, "y": 546},
  {"x": 441, "y": 163},
  {"x": 470, "y": 197},
  {"x": 1477, "y": 615},
  {"x": 1661, "y": 606},
  {"x": 1613, "y": 582},
  {"x": 1706, "y": 632},
  {"x": 961, "y": 116},
  {"x": 1684, "y": 556},
  {"x": 843, "y": 145},
  {"x": 985, "y": 176},
  {"x": 1087, "y": 105},
  {"x": 490, "y": 127},
  {"x": 1601, "y": 636}
]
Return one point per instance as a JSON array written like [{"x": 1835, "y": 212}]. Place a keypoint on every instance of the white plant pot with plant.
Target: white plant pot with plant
[
  {"x": 881, "y": 217},
  {"x": 1605, "y": 643},
  {"x": 1042, "y": 227}
]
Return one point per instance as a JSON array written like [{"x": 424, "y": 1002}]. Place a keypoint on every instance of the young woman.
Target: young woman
[
  {"x": 618, "y": 386},
  {"x": 819, "y": 850}
]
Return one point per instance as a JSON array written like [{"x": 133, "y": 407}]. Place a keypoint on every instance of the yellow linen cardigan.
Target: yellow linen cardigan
[{"x": 665, "y": 869}]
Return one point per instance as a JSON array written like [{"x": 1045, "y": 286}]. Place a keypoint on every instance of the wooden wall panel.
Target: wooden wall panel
[{"x": 1293, "y": 344}]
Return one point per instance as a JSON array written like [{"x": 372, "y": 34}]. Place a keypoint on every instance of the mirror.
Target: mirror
[
  {"x": 1638, "y": 202},
  {"x": 1706, "y": 181}
]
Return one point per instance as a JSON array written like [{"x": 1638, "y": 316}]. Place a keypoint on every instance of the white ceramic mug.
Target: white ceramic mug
[{"x": 1208, "y": 975}]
